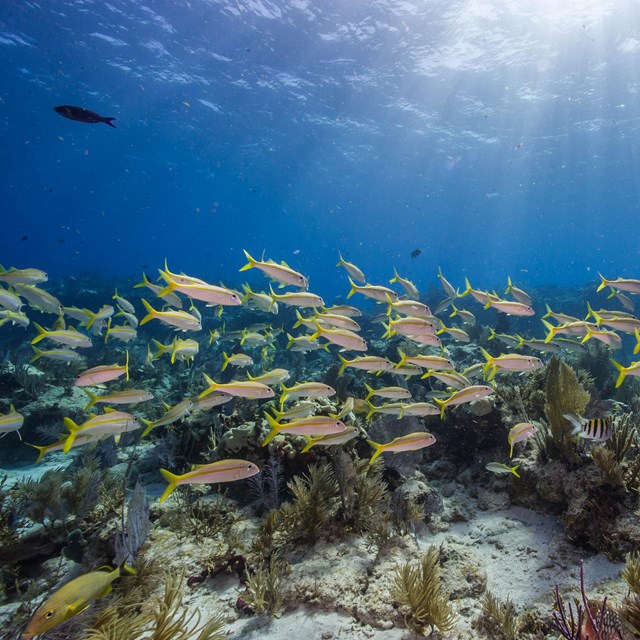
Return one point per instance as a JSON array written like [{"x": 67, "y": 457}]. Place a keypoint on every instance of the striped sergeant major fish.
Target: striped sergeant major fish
[{"x": 597, "y": 429}]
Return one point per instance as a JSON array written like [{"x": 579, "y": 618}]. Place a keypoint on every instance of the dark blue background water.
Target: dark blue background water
[{"x": 497, "y": 137}]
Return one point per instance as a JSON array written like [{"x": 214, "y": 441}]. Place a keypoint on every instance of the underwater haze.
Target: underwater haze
[
  {"x": 319, "y": 319},
  {"x": 496, "y": 136}
]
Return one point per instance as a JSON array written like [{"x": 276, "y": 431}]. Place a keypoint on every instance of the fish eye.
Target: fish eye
[{"x": 48, "y": 614}]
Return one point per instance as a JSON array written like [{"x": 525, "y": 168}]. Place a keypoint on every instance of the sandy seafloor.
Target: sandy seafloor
[{"x": 340, "y": 590}]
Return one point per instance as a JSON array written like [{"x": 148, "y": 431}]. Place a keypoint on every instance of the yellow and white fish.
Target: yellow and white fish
[{"x": 410, "y": 442}]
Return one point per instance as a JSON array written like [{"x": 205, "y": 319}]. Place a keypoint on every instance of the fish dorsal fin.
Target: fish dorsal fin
[{"x": 109, "y": 410}]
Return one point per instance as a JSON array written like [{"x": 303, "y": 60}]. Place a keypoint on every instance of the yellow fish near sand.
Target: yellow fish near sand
[{"x": 73, "y": 598}]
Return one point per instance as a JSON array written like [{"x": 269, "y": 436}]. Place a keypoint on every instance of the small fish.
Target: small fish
[
  {"x": 505, "y": 338},
  {"x": 304, "y": 344},
  {"x": 562, "y": 318},
  {"x": 330, "y": 440},
  {"x": 437, "y": 363},
  {"x": 457, "y": 334},
  {"x": 124, "y": 304},
  {"x": 596, "y": 429},
  {"x": 393, "y": 393},
  {"x": 415, "y": 253},
  {"x": 103, "y": 373},
  {"x": 126, "y": 396},
  {"x": 447, "y": 286},
  {"x": 466, "y": 316},
  {"x": 311, "y": 426},
  {"x": 342, "y": 337},
  {"x": 306, "y": 390},
  {"x": 520, "y": 433},
  {"x": 104, "y": 313},
  {"x": 221, "y": 471},
  {"x": 275, "y": 376},
  {"x": 70, "y": 337},
  {"x": 214, "y": 399},
  {"x": 420, "y": 409},
  {"x": 179, "y": 411},
  {"x": 10, "y": 422},
  {"x": 110, "y": 423},
  {"x": 352, "y": 270},
  {"x": 243, "y": 389},
  {"x": 257, "y": 300},
  {"x": 170, "y": 298},
  {"x": 10, "y": 301},
  {"x": 408, "y": 308},
  {"x": 375, "y": 364},
  {"x": 610, "y": 338},
  {"x": 236, "y": 360},
  {"x": 184, "y": 350},
  {"x": 509, "y": 362},
  {"x": 280, "y": 272},
  {"x": 344, "y": 310},
  {"x": 39, "y": 298},
  {"x": 59, "y": 355},
  {"x": 22, "y": 276},
  {"x": 518, "y": 294},
  {"x": 410, "y": 442},
  {"x": 623, "y": 284},
  {"x": 626, "y": 302},
  {"x": 468, "y": 394},
  {"x": 79, "y": 114},
  {"x": 59, "y": 446},
  {"x": 408, "y": 286},
  {"x": 297, "y": 299},
  {"x": 300, "y": 410},
  {"x": 500, "y": 469},
  {"x": 510, "y": 307},
  {"x": 199, "y": 290},
  {"x": 337, "y": 321},
  {"x": 538, "y": 345},
  {"x": 180, "y": 319},
  {"x": 450, "y": 378},
  {"x": 375, "y": 292},
  {"x": 577, "y": 328},
  {"x": 124, "y": 332},
  {"x": 73, "y": 598},
  {"x": 346, "y": 409},
  {"x": 479, "y": 296},
  {"x": 409, "y": 326}
]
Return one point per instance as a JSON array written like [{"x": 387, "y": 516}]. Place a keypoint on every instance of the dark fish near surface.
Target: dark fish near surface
[
  {"x": 415, "y": 253},
  {"x": 598, "y": 429},
  {"x": 83, "y": 115}
]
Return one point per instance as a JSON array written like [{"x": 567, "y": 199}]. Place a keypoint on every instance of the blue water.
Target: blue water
[{"x": 499, "y": 137}]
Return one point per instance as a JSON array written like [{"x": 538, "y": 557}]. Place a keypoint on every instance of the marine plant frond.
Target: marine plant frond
[
  {"x": 166, "y": 618},
  {"x": 266, "y": 586},
  {"x": 315, "y": 503},
  {"x": 498, "y": 619},
  {"x": 418, "y": 591},
  {"x": 609, "y": 469},
  {"x": 631, "y": 572},
  {"x": 630, "y": 612},
  {"x": 564, "y": 395},
  {"x": 624, "y": 436}
]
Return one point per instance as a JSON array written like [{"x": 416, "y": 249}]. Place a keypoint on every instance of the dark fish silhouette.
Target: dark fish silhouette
[
  {"x": 415, "y": 253},
  {"x": 82, "y": 115}
]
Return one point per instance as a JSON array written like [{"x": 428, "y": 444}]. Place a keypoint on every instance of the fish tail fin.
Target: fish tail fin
[
  {"x": 42, "y": 333},
  {"x": 151, "y": 312},
  {"x": 291, "y": 341},
  {"x": 106, "y": 335},
  {"x": 587, "y": 336},
  {"x": 455, "y": 311},
  {"x": 343, "y": 366},
  {"x": 144, "y": 282},
  {"x": 549, "y": 312},
  {"x": 489, "y": 360},
  {"x": 396, "y": 277},
  {"x": 72, "y": 428},
  {"x": 171, "y": 286},
  {"x": 127, "y": 570},
  {"x": 309, "y": 439},
  {"x": 37, "y": 353},
  {"x": 637, "y": 335},
  {"x": 126, "y": 364},
  {"x": 354, "y": 288},
  {"x": 275, "y": 429},
  {"x": 341, "y": 259},
  {"x": 513, "y": 470},
  {"x": 403, "y": 357},
  {"x": 622, "y": 372},
  {"x": 612, "y": 294},
  {"x": 299, "y": 321},
  {"x": 574, "y": 421},
  {"x": 603, "y": 284},
  {"x": 225, "y": 364},
  {"x": 372, "y": 410},
  {"x": 370, "y": 391},
  {"x": 109, "y": 120},
  {"x": 41, "y": 451},
  {"x": 172, "y": 479},
  {"x": 389, "y": 333},
  {"x": 467, "y": 290},
  {"x": 443, "y": 405},
  {"x": 93, "y": 398},
  {"x": 551, "y": 329},
  {"x": 378, "y": 449},
  {"x": 148, "y": 428},
  {"x": 251, "y": 262},
  {"x": 509, "y": 285},
  {"x": 317, "y": 332}
]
